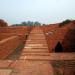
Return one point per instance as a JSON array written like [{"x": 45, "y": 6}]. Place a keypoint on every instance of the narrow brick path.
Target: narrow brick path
[{"x": 35, "y": 47}]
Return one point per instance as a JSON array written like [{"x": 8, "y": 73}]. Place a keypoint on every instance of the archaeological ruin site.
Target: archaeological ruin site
[{"x": 37, "y": 50}]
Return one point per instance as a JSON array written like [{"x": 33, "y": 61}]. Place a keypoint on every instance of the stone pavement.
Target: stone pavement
[{"x": 35, "y": 57}]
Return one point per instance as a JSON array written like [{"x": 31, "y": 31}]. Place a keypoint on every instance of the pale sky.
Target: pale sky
[{"x": 44, "y": 11}]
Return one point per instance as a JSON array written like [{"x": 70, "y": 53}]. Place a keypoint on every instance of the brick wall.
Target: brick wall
[
  {"x": 11, "y": 38},
  {"x": 50, "y": 27},
  {"x": 69, "y": 40},
  {"x": 4, "y": 35},
  {"x": 7, "y": 46},
  {"x": 65, "y": 35},
  {"x": 16, "y": 29},
  {"x": 50, "y": 32},
  {"x": 20, "y": 31},
  {"x": 54, "y": 38}
]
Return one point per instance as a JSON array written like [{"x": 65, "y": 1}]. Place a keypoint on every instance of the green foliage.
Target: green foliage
[
  {"x": 28, "y": 23},
  {"x": 3, "y": 23},
  {"x": 24, "y": 23},
  {"x": 65, "y": 22},
  {"x": 37, "y": 24}
]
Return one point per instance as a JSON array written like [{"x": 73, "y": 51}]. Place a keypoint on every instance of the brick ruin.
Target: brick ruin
[
  {"x": 44, "y": 44},
  {"x": 65, "y": 35}
]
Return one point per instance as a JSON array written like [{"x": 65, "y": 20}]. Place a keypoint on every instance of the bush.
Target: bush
[{"x": 65, "y": 22}]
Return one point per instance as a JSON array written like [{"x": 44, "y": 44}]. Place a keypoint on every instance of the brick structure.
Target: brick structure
[
  {"x": 20, "y": 31},
  {"x": 40, "y": 53},
  {"x": 12, "y": 38},
  {"x": 69, "y": 39},
  {"x": 7, "y": 46},
  {"x": 65, "y": 35}
]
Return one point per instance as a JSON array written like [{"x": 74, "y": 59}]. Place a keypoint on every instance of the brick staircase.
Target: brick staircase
[{"x": 35, "y": 44}]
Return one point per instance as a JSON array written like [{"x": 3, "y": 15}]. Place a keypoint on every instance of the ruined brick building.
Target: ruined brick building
[{"x": 37, "y": 50}]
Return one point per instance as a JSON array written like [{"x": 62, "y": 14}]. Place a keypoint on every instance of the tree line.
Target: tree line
[{"x": 28, "y": 23}]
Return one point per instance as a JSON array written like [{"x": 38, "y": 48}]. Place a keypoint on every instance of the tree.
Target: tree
[
  {"x": 37, "y": 24},
  {"x": 28, "y": 23},
  {"x": 65, "y": 22},
  {"x": 24, "y": 23},
  {"x": 3, "y": 23}
]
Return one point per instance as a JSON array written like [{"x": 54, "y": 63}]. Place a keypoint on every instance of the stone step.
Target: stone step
[
  {"x": 36, "y": 42},
  {"x": 35, "y": 50},
  {"x": 35, "y": 54},
  {"x": 36, "y": 38},
  {"x": 38, "y": 58},
  {"x": 52, "y": 56},
  {"x": 36, "y": 32},
  {"x": 36, "y": 45},
  {"x": 36, "y": 35},
  {"x": 35, "y": 29},
  {"x": 39, "y": 34}
]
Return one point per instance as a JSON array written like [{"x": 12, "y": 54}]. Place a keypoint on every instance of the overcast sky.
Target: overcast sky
[{"x": 44, "y": 11}]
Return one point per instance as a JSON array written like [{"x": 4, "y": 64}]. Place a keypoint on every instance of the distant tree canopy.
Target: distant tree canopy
[
  {"x": 28, "y": 23},
  {"x": 65, "y": 22},
  {"x": 3, "y": 23}
]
